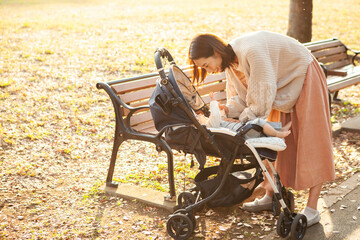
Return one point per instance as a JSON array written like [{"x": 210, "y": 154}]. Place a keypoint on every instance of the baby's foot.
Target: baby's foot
[
  {"x": 283, "y": 134},
  {"x": 286, "y": 127}
]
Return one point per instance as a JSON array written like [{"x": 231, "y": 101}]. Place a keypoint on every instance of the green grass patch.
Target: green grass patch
[{"x": 5, "y": 82}]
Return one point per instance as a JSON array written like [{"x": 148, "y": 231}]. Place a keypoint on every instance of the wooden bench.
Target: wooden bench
[
  {"x": 338, "y": 62},
  {"x": 130, "y": 98}
]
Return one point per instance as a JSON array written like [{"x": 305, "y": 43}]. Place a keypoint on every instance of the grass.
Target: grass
[{"x": 56, "y": 128}]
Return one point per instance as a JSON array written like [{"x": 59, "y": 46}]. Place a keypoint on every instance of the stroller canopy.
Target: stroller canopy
[{"x": 162, "y": 100}]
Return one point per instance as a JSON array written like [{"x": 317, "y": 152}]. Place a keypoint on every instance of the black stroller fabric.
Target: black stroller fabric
[
  {"x": 187, "y": 139},
  {"x": 162, "y": 111}
]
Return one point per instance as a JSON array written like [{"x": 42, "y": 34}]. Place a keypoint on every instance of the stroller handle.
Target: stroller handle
[{"x": 159, "y": 54}]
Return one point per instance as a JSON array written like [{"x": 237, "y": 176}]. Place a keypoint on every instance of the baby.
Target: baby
[{"x": 215, "y": 120}]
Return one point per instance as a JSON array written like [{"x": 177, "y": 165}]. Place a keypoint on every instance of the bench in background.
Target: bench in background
[{"x": 338, "y": 62}]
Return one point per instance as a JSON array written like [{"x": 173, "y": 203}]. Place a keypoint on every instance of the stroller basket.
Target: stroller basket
[{"x": 239, "y": 185}]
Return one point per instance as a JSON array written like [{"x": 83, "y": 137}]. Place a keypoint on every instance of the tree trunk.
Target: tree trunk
[{"x": 300, "y": 20}]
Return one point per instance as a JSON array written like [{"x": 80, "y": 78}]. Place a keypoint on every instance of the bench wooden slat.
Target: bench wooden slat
[
  {"x": 335, "y": 58},
  {"x": 135, "y": 85},
  {"x": 342, "y": 83},
  {"x": 141, "y": 118},
  {"x": 313, "y": 43},
  {"x": 219, "y": 96},
  {"x": 212, "y": 88},
  {"x": 338, "y": 64},
  {"x": 131, "y": 97},
  {"x": 329, "y": 52},
  {"x": 214, "y": 78},
  {"x": 139, "y": 103},
  {"x": 316, "y": 46},
  {"x": 147, "y": 127}
]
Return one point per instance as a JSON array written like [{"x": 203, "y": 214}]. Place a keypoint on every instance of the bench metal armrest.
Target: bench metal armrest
[
  {"x": 131, "y": 113},
  {"x": 355, "y": 56},
  {"x": 114, "y": 98},
  {"x": 324, "y": 68},
  {"x": 134, "y": 110}
]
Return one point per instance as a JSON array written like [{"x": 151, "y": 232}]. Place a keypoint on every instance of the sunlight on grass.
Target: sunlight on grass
[{"x": 56, "y": 127}]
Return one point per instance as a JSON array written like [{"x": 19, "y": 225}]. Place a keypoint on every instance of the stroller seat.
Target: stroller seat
[{"x": 271, "y": 143}]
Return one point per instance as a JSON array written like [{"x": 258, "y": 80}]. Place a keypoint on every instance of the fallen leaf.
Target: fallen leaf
[
  {"x": 248, "y": 225},
  {"x": 222, "y": 228}
]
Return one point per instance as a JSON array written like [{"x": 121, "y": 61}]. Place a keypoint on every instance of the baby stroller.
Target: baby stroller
[{"x": 241, "y": 167}]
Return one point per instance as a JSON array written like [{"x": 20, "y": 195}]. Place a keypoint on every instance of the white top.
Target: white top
[{"x": 270, "y": 74}]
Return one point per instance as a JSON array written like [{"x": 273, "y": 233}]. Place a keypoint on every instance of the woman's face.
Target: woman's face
[{"x": 211, "y": 64}]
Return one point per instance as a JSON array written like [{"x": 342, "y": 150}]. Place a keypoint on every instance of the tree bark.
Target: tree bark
[{"x": 300, "y": 20}]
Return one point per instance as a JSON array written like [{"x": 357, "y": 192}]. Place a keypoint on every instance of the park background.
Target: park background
[{"x": 56, "y": 128}]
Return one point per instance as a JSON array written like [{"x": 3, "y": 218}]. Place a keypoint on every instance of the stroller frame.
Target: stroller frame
[{"x": 182, "y": 222}]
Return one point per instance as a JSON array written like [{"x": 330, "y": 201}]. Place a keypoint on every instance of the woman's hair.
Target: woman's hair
[{"x": 204, "y": 46}]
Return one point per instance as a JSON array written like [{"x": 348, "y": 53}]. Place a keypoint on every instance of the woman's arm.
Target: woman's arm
[{"x": 262, "y": 85}]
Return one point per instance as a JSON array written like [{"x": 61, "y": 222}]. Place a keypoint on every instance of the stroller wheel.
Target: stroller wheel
[
  {"x": 298, "y": 227},
  {"x": 189, "y": 215},
  {"x": 179, "y": 226},
  {"x": 283, "y": 225},
  {"x": 186, "y": 199}
]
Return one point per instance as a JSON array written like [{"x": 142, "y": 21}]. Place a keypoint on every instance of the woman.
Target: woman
[{"x": 275, "y": 77}]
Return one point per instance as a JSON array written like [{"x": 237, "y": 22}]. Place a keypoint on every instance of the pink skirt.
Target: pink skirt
[{"x": 308, "y": 159}]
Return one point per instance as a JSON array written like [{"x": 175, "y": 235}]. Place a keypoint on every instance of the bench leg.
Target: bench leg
[
  {"x": 109, "y": 182},
  {"x": 335, "y": 97}
]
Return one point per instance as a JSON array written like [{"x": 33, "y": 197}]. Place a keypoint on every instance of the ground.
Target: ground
[{"x": 56, "y": 128}]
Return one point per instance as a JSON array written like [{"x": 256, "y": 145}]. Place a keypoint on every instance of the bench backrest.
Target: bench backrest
[
  {"x": 331, "y": 52},
  {"x": 136, "y": 92}
]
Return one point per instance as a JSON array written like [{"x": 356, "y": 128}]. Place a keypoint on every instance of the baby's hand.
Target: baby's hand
[
  {"x": 211, "y": 94},
  {"x": 225, "y": 108}
]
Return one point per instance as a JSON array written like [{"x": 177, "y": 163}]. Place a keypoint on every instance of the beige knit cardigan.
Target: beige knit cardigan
[{"x": 270, "y": 74}]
